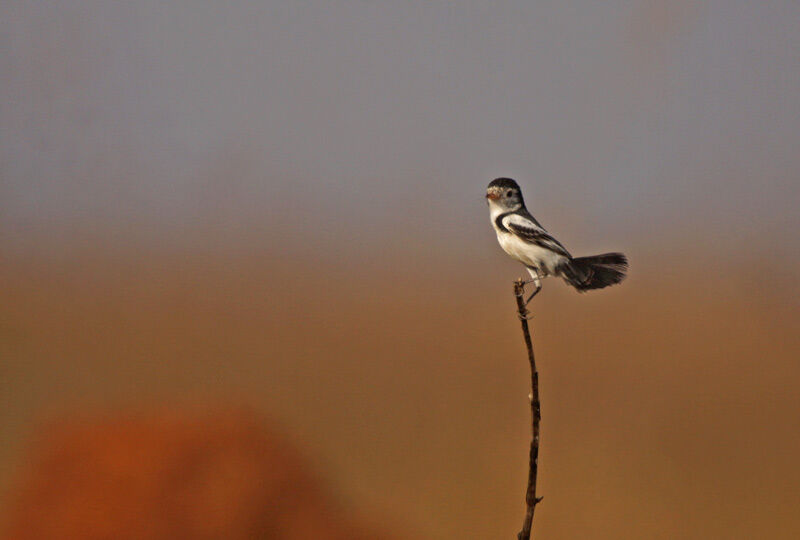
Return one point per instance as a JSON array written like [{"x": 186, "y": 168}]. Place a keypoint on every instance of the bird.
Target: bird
[{"x": 525, "y": 240}]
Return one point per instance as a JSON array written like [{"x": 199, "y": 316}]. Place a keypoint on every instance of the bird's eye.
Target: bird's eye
[{"x": 509, "y": 193}]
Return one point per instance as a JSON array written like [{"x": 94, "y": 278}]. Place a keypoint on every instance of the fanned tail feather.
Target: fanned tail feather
[{"x": 596, "y": 271}]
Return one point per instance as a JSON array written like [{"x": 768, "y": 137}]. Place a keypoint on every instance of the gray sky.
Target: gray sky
[{"x": 350, "y": 119}]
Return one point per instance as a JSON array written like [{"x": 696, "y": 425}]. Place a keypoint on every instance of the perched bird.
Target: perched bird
[{"x": 526, "y": 241}]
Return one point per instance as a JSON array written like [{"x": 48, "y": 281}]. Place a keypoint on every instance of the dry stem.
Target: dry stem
[{"x": 531, "y": 500}]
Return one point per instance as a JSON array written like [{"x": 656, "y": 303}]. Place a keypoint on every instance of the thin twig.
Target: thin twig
[{"x": 531, "y": 500}]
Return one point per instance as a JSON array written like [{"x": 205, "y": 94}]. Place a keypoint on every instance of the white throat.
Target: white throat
[{"x": 497, "y": 209}]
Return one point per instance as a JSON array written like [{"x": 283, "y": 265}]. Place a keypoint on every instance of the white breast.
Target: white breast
[{"x": 543, "y": 259}]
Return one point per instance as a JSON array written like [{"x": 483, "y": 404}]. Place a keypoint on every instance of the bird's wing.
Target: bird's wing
[{"x": 533, "y": 233}]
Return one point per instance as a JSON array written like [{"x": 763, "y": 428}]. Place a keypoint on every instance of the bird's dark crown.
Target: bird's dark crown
[{"x": 504, "y": 183}]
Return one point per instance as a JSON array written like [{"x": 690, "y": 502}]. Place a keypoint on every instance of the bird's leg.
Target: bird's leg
[
  {"x": 535, "y": 292},
  {"x": 537, "y": 282}
]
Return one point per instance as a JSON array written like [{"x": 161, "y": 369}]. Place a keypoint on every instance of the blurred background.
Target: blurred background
[{"x": 251, "y": 237}]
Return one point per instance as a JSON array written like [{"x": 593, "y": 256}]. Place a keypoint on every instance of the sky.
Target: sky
[{"x": 335, "y": 121}]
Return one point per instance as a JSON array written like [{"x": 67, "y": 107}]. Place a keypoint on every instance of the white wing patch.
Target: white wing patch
[{"x": 531, "y": 233}]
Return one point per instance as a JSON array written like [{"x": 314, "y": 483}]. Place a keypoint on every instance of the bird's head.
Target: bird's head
[{"x": 504, "y": 193}]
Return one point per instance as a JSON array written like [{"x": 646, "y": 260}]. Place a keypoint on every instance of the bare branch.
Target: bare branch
[{"x": 531, "y": 500}]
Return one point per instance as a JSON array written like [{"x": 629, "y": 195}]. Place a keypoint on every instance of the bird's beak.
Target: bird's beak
[{"x": 492, "y": 195}]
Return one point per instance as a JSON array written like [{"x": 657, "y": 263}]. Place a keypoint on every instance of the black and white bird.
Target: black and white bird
[{"x": 526, "y": 241}]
